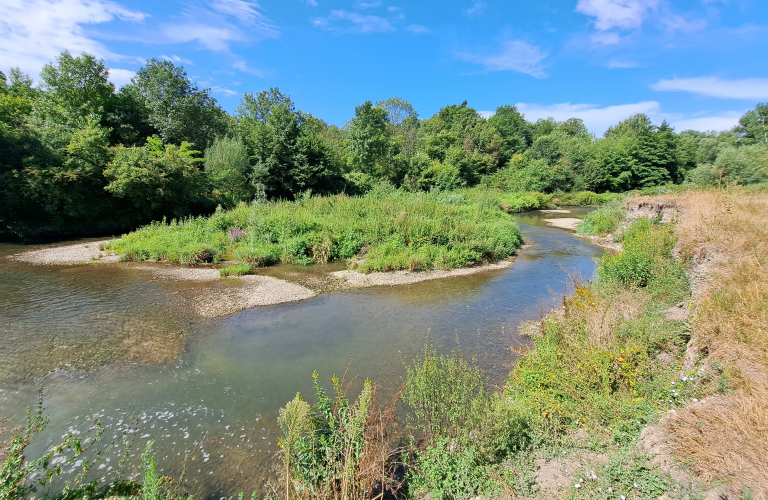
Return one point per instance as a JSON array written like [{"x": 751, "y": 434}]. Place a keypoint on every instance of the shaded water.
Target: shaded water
[{"x": 120, "y": 344}]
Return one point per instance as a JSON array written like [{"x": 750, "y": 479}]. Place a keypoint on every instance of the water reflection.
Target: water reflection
[{"x": 212, "y": 388}]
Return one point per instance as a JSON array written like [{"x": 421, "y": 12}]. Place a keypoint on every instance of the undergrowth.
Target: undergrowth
[{"x": 397, "y": 230}]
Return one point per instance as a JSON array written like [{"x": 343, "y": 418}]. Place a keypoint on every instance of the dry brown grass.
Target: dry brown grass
[{"x": 725, "y": 234}]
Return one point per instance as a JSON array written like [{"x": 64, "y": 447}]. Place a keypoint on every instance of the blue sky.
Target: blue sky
[{"x": 696, "y": 63}]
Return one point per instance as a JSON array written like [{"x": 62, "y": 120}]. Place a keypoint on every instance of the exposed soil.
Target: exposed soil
[{"x": 83, "y": 253}]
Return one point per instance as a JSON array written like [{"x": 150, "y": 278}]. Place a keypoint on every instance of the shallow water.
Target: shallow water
[{"x": 119, "y": 343}]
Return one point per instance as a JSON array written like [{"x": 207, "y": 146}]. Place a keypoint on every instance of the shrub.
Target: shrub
[
  {"x": 603, "y": 220},
  {"x": 238, "y": 270}
]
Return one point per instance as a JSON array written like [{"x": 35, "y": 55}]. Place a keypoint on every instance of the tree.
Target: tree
[
  {"x": 398, "y": 111},
  {"x": 66, "y": 181},
  {"x": 369, "y": 139},
  {"x": 656, "y": 157},
  {"x": 157, "y": 179},
  {"x": 753, "y": 126},
  {"x": 515, "y": 132},
  {"x": 74, "y": 88},
  {"x": 175, "y": 106},
  {"x": 258, "y": 107},
  {"x": 228, "y": 166}
]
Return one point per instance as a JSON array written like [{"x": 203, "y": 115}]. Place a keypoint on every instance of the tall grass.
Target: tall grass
[
  {"x": 604, "y": 220},
  {"x": 396, "y": 230}
]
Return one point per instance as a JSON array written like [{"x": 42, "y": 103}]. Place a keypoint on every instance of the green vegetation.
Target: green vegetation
[
  {"x": 587, "y": 386},
  {"x": 79, "y": 155},
  {"x": 395, "y": 230},
  {"x": 604, "y": 220}
]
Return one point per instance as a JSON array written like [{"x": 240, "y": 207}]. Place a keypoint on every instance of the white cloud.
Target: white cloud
[
  {"x": 120, "y": 77},
  {"x": 724, "y": 121},
  {"x": 515, "y": 55},
  {"x": 605, "y": 37},
  {"x": 368, "y": 5},
  {"x": 618, "y": 63},
  {"x": 224, "y": 90},
  {"x": 748, "y": 88},
  {"x": 245, "y": 12},
  {"x": 486, "y": 114},
  {"x": 214, "y": 28},
  {"x": 630, "y": 15},
  {"x": 417, "y": 28},
  {"x": 626, "y": 14},
  {"x": 597, "y": 119},
  {"x": 176, "y": 59},
  {"x": 34, "y": 32},
  {"x": 358, "y": 23},
  {"x": 477, "y": 8}
]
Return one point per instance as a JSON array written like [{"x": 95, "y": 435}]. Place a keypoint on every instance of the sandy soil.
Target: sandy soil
[
  {"x": 82, "y": 253},
  {"x": 257, "y": 291},
  {"x": 564, "y": 223},
  {"x": 355, "y": 279}
]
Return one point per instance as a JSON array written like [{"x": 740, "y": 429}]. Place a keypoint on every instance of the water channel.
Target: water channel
[{"x": 107, "y": 342}]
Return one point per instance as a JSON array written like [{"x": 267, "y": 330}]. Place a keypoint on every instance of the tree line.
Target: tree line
[{"x": 78, "y": 154}]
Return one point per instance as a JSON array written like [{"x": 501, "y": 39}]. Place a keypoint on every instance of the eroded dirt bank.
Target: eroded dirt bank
[{"x": 717, "y": 445}]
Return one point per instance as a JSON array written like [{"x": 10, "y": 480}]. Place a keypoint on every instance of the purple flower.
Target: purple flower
[{"x": 236, "y": 234}]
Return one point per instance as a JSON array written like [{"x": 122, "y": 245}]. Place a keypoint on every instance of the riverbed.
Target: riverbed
[{"x": 107, "y": 341}]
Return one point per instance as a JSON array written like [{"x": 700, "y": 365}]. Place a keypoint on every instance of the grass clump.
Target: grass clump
[
  {"x": 237, "y": 270},
  {"x": 386, "y": 230},
  {"x": 604, "y": 220}
]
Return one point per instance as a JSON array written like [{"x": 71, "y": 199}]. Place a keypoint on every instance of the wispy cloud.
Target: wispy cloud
[
  {"x": 216, "y": 27},
  {"x": 34, "y": 32},
  {"x": 605, "y": 37},
  {"x": 224, "y": 90},
  {"x": 719, "y": 122},
  {"x": 711, "y": 86},
  {"x": 614, "y": 16},
  {"x": 245, "y": 12},
  {"x": 176, "y": 59},
  {"x": 342, "y": 21},
  {"x": 618, "y": 63},
  {"x": 477, "y": 9},
  {"x": 417, "y": 28},
  {"x": 597, "y": 119},
  {"x": 368, "y": 5},
  {"x": 312, "y": 3},
  {"x": 625, "y": 14},
  {"x": 515, "y": 55},
  {"x": 120, "y": 77}
]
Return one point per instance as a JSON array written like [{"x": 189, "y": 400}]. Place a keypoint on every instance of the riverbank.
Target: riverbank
[
  {"x": 213, "y": 295},
  {"x": 705, "y": 431}
]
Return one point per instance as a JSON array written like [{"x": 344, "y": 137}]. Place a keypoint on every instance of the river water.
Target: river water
[{"x": 106, "y": 342}]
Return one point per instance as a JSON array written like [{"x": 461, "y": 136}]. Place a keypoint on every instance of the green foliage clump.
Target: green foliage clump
[
  {"x": 645, "y": 257},
  {"x": 323, "y": 445},
  {"x": 415, "y": 231},
  {"x": 603, "y": 220},
  {"x": 237, "y": 270},
  {"x": 594, "y": 367}
]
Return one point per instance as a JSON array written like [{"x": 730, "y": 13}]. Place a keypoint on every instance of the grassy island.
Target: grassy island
[{"x": 378, "y": 232}]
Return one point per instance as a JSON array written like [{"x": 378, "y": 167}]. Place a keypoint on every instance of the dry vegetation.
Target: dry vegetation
[{"x": 725, "y": 437}]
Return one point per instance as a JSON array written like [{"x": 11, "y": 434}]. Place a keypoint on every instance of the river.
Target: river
[{"x": 105, "y": 342}]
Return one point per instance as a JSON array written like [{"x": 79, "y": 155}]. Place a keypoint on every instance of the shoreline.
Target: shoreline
[{"x": 228, "y": 295}]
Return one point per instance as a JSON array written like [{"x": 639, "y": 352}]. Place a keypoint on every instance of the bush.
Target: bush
[
  {"x": 238, "y": 270},
  {"x": 415, "y": 231},
  {"x": 603, "y": 220}
]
